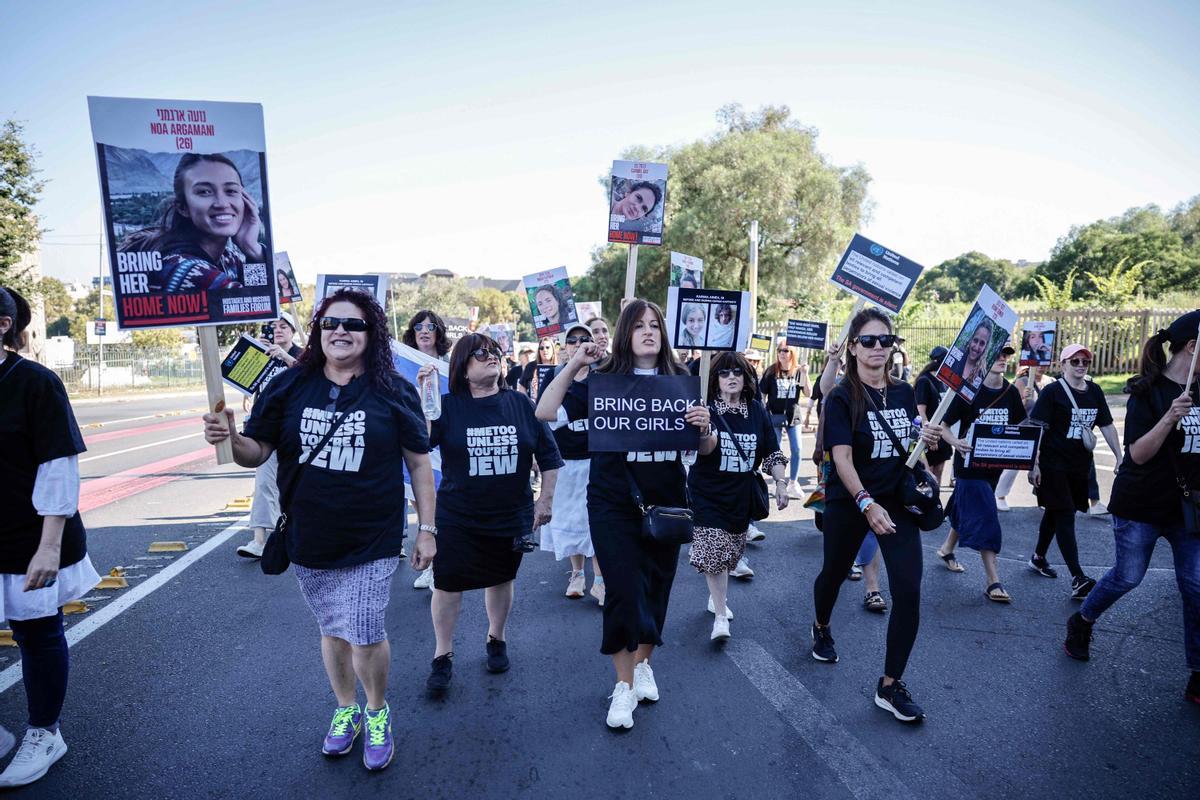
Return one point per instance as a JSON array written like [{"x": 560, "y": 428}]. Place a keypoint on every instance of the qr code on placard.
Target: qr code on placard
[{"x": 255, "y": 275}]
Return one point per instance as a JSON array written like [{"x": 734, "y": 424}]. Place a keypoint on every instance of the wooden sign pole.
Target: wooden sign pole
[
  {"x": 1191, "y": 374},
  {"x": 936, "y": 419},
  {"x": 631, "y": 273},
  {"x": 210, "y": 358},
  {"x": 753, "y": 281},
  {"x": 858, "y": 306},
  {"x": 705, "y": 371}
]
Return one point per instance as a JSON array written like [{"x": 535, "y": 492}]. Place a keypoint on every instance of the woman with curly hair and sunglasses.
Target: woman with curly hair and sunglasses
[
  {"x": 489, "y": 438},
  {"x": 345, "y": 523}
]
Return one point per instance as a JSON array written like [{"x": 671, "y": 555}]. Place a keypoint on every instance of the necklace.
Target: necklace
[{"x": 882, "y": 393}]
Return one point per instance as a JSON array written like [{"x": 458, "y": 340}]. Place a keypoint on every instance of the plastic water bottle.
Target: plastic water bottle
[
  {"x": 431, "y": 397},
  {"x": 688, "y": 457}
]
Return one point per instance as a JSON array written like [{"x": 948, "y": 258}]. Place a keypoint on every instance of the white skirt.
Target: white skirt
[
  {"x": 73, "y": 582},
  {"x": 568, "y": 532}
]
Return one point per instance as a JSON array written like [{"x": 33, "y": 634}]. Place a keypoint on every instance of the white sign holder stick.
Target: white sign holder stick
[
  {"x": 1191, "y": 374},
  {"x": 210, "y": 358},
  {"x": 935, "y": 419},
  {"x": 705, "y": 371},
  {"x": 858, "y": 306},
  {"x": 630, "y": 274}
]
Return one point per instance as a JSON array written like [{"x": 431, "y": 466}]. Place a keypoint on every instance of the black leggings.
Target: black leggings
[
  {"x": 44, "y": 666},
  {"x": 844, "y": 529},
  {"x": 1060, "y": 523}
]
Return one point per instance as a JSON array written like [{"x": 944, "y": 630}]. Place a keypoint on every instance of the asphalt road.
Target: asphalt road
[{"x": 211, "y": 684}]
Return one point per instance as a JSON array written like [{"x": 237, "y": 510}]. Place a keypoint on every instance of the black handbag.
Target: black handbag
[
  {"x": 275, "y": 560},
  {"x": 662, "y": 524},
  {"x": 918, "y": 491},
  {"x": 760, "y": 503}
]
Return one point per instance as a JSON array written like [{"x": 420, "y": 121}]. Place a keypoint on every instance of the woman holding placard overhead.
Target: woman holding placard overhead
[
  {"x": 1068, "y": 409},
  {"x": 1156, "y": 493},
  {"x": 782, "y": 385},
  {"x": 567, "y": 534},
  {"x": 638, "y": 571},
  {"x": 863, "y": 494},
  {"x": 723, "y": 484}
]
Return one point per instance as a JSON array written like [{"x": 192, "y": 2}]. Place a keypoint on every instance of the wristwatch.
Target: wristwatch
[{"x": 426, "y": 528}]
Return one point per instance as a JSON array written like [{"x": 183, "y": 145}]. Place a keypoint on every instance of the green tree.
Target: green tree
[
  {"x": 1119, "y": 287},
  {"x": 1055, "y": 296},
  {"x": 19, "y": 192},
  {"x": 164, "y": 338},
  {"x": 57, "y": 305},
  {"x": 762, "y": 166},
  {"x": 960, "y": 278}
]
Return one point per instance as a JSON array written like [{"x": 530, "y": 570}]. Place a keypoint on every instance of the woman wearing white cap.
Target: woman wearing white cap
[{"x": 1068, "y": 409}]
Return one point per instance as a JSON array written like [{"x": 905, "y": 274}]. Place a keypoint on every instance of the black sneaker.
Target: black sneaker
[
  {"x": 439, "y": 675},
  {"x": 1079, "y": 637},
  {"x": 1042, "y": 567},
  {"x": 497, "y": 655},
  {"x": 1080, "y": 586},
  {"x": 896, "y": 699},
  {"x": 1192, "y": 692},
  {"x": 822, "y": 649}
]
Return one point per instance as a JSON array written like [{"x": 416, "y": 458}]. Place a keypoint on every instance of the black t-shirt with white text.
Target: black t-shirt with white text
[
  {"x": 721, "y": 482},
  {"x": 876, "y": 461},
  {"x": 1149, "y": 492},
  {"x": 1001, "y": 406},
  {"x": 488, "y": 445},
  {"x": 347, "y": 505},
  {"x": 572, "y": 438},
  {"x": 659, "y": 474},
  {"x": 1062, "y": 441},
  {"x": 781, "y": 393},
  {"x": 36, "y": 425},
  {"x": 929, "y": 391}
]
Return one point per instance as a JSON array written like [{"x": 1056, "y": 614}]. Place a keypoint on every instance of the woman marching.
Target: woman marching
[
  {"x": 486, "y": 514},
  {"x": 638, "y": 572},
  {"x": 1156, "y": 493},
  {"x": 43, "y": 547},
  {"x": 862, "y": 496},
  {"x": 343, "y": 423},
  {"x": 782, "y": 385},
  {"x": 426, "y": 332},
  {"x": 929, "y": 391},
  {"x": 722, "y": 482},
  {"x": 547, "y": 355},
  {"x": 1068, "y": 409},
  {"x": 972, "y": 510},
  {"x": 567, "y": 534},
  {"x": 1030, "y": 382}
]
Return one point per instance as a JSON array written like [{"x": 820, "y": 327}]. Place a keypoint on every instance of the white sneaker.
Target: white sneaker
[
  {"x": 620, "y": 710},
  {"x": 1098, "y": 510},
  {"x": 39, "y": 750},
  {"x": 711, "y": 610},
  {"x": 794, "y": 491},
  {"x": 753, "y": 534},
  {"x": 644, "y": 687},
  {"x": 251, "y": 549},
  {"x": 720, "y": 629},
  {"x": 424, "y": 580},
  {"x": 576, "y": 584},
  {"x": 1002, "y": 504},
  {"x": 742, "y": 570}
]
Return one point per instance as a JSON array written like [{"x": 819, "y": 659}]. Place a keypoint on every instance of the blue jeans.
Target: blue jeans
[
  {"x": 1135, "y": 542},
  {"x": 866, "y": 553},
  {"x": 777, "y": 420}
]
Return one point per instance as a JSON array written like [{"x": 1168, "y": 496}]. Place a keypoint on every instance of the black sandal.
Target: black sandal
[
  {"x": 997, "y": 598},
  {"x": 873, "y": 601},
  {"x": 951, "y": 562}
]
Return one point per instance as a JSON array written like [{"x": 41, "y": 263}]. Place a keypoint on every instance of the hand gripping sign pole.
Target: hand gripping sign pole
[
  {"x": 1191, "y": 374},
  {"x": 210, "y": 357},
  {"x": 935, "y": 419}
]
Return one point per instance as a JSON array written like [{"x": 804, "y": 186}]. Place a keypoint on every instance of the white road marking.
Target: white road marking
[
  {"x": 89, "y": 625},
  {"x": 855, "y": 766},
  {"x": 140, "y": 447}
]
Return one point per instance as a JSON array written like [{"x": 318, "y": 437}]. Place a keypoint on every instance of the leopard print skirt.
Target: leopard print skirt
[{"x": 715, "y": 550}]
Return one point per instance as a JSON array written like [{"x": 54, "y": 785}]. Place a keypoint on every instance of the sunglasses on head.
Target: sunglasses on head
[
  {"x": 578, "y": 339},
  {"x": 484, "y": 353},
  {"x": 425, "y": 326},
  {"x": 731, "y": 372},
  {"x": 1080, "y": 362},
  {"x": 348, "y": 324},
  {"x": 870, "y": 340}
]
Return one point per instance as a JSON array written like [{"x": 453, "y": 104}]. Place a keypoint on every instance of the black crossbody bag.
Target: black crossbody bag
[
  {"x": 663, "y": 524},
  {"x": 919, "y": 492},
  {"x": 275, "y": 560},
  {"x": 760, "y": 504}
]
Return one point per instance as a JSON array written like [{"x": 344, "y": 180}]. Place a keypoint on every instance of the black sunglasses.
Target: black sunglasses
[
  {"x": 578, "y": 339},
  {"x": 732, "y": 372},
  {"x": 483, "y": 353},
  {"x": 1080, "y": 362},
  {"x": 335, "y": 392},
  {"x": 870, "y": 340},
  {"x": 349, "y": 324}
]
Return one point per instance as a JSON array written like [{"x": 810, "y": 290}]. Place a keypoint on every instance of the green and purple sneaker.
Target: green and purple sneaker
[
  {"x": 347, "y": 722},
  {"x": 379, "y": 747}
]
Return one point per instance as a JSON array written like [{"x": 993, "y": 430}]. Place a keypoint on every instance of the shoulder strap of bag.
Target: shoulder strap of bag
[
  {"x": 1070, "y": 393},
  {"x": 734, "y": 439},
  {"x": 286, "y": 492},
  {"x": 637, "y": 493}
]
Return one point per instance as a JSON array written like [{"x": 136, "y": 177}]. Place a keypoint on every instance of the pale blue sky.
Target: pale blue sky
[{"x": 404, "y": 136}]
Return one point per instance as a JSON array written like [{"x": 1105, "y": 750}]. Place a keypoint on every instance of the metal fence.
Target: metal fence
[
  {"x": 129, "y": 367},
  {"x": 1114, "y": 337}
]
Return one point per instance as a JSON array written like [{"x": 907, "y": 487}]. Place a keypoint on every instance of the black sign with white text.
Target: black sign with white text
[
  {"x": 1003, "y": 446},
  {"x": 640, "y": 413},
  {"x": 802, "y": 333}
]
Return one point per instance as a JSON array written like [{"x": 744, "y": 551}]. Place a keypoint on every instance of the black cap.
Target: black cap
[
  {"x": 1182, "y": 330},
  {"x": 938, "y": 353}
]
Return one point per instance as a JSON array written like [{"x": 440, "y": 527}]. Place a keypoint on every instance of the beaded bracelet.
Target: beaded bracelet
[{"x": 864, "y": 501}]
